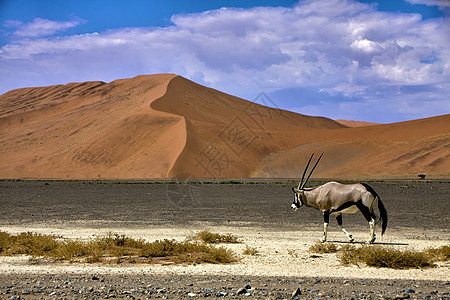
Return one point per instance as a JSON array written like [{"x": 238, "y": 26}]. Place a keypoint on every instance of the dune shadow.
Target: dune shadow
[{"x": 364, "y": 243}]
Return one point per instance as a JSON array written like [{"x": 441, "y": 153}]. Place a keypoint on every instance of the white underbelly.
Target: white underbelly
[{"x": 349, "y": 210}]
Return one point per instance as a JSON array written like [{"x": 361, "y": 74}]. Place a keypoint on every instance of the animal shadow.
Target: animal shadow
[{"x": 364, "y": 243}]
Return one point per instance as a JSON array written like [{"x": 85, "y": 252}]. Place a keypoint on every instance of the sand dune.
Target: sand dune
[
  {"x": 403, "y": 149},
  {"x": 93, "y": 131},
  {"x": 352, "y": 123},
  {"x": 164, "y": 125}
]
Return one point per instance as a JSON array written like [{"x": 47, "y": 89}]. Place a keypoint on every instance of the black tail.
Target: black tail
[
  {"x": 383, "y": 215},
  {"x": 383, "y": 212}
]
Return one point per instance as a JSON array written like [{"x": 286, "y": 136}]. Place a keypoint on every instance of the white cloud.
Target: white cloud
[
  {"x": 366, "y": 46},
  {"x": 40, "y": 27},
  {"x": 342, "y": 48},
  {"x": 441, "y": 3}
]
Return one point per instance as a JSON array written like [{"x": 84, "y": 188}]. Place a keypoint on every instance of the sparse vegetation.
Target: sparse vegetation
[
  {"x": 440, "y": 254},
  {"x": 113, "y": 247},
  {"x": 187, "y": 252},
  {"x": 323, "y": 248},
  {"x": 28, "y": 243},
  {"x": 216, "y": 238},
  {"x": 384, "y": 257},
  {"x": 250, "y": 250}
]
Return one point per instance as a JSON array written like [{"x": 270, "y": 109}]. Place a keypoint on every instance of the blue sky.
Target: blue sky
[{"x": 380, "y": 61}]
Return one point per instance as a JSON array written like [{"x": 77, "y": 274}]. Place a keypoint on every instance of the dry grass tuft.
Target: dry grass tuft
[
  {"x": 113, "y": 247},
  {"x": 384, "y": 257},
  {"x": 216, "y": 238},
  {"x": 381, "y": 257},
  {"x": 323, "y": 248},
  {"x": 28, "y": 243},
  {"x": 250, "y": 251},
  {"x": 440, "y": 254},
  {"x": 187, "y": 251}
]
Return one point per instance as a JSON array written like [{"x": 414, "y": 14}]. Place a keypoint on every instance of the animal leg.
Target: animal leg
[
  {"x": 372, "y": 224},
  {"x": 375, "y": 217},
  {"x": 368, "y": 215},
  {"x": 339, "y": 221},
  {"x": 326, "y": 220}
]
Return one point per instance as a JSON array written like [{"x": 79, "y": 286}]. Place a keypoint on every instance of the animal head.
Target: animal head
[
  {"x": 299, "y": 191},
  {"x": 297, "y": 199}
]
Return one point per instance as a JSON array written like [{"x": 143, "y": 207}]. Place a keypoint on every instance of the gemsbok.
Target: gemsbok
[{"x": 333, "y": 198}]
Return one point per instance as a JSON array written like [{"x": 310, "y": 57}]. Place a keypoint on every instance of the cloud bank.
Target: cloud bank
[
  {"x": 440, "y": 3},
  {"x": 40, "y": 27},
  {"x": 334, "y": 58}
]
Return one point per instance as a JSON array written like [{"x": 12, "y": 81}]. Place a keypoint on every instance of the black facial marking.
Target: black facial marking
[{"x": 297, "y": 200}]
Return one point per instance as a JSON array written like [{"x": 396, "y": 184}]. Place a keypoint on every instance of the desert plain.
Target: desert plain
[{"x": 257, "y": 211}]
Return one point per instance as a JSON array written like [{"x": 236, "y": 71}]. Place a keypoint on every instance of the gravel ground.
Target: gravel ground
[
  {"x": 94, "y": 286},
  {"x": 410, "y": 204},
  {"x": 417, "y": 210}
]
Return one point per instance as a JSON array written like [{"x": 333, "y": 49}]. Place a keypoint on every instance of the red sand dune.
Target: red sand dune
[
  {"x": 164, "y": 125},
  {"x": 356, "y": 123}
]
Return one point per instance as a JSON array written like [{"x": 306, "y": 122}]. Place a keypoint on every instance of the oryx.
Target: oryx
[{"x": 336, "y": 198}]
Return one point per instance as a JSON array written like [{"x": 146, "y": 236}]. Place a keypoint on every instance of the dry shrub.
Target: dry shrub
[
  {"x": 384, "y": 257},
  {"x": 381, "y": 257},
  {"x": 250, "y": 250},
  {"x": 440, "y": 254},
  {"x": 349, "y": 255},
  {"x": 115, "y": 246},
  {"x": 70, "y": 250},
  {"x": 28, "y": 243},
  {"x": 114, "y": 240},
  {"x": 187, "y": 251},
  {"x": 323, "y": 248},
  {"x": 215, "y": 238},
  {"x": 219, "y": 255}
]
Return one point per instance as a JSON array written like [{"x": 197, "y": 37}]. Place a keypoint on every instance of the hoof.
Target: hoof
[
  {"x": 323, "y": 240},
  {"x": 370, "y": 241},
  {"x": 351, "y": 239}
]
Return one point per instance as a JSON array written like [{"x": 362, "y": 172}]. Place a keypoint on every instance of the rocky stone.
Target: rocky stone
[
  {"x": 222, "y": 294},
  {"x": 296, "y": 292}
]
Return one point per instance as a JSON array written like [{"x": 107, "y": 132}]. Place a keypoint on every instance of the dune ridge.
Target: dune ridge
[
  {"x": 92, "y": 130},
  {"x": 159, "y": 126},
  {"x": 353, "y": 123}
]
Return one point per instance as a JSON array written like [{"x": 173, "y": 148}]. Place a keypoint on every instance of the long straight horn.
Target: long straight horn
[
  {"x": 304, "y": 172},
  {"x": 312, "y": 171}
]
